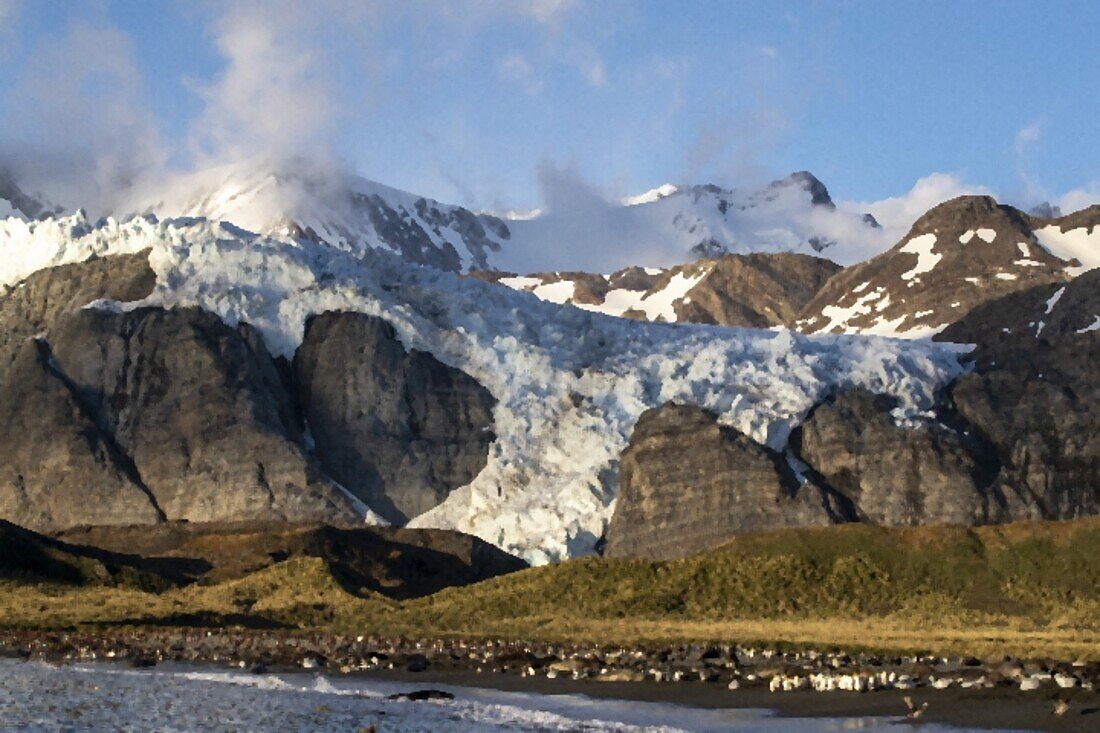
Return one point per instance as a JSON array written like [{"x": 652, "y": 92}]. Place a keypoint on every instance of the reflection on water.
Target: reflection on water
[{"x": 95, "y": 697}]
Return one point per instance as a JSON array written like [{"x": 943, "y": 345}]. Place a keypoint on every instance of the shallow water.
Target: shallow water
[{"x": 170, "y": 698}]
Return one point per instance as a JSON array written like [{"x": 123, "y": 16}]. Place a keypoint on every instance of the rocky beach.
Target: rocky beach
[{"x": 960, "y": 691}]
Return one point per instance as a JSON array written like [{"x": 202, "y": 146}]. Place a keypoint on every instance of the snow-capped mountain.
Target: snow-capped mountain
[
  {"x": 674, "y": 224},
  {"x": 296, "y": 199},
  {"x": 671, "y": 225},
  {"x": 1046, "y": 311},
  {"x": 568, "y": 384},
  {"x": 965, "y": 252},
  {"x": 960, "y": 255},
  {"x": 263, "y": 252}
]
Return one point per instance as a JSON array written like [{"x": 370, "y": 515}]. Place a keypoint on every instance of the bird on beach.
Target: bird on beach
[{"x": 914, "y": 711}]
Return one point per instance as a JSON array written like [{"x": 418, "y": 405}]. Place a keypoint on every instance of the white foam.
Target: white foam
[{"x": 170, "y": 698}]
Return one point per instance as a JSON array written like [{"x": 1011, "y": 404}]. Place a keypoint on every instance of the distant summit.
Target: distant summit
[
  {"x": 964, "y": 252},
  {"x": 678, "y": 222},
  {"x": 296, "y": 198}
]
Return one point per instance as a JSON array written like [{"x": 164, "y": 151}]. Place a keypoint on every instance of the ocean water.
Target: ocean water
[{"x": 175, "y": 698}]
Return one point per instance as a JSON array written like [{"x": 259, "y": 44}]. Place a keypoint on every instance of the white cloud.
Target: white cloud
[
  {"x": 1079, "y": 198},
  {"x": 276, "y": 92},
  {"x": 897, "y": 214},
  {"x": 1028, "y": 135},
  {"x": 516, "y": 68},
  {"x": 732, "y": 148},
  {"x": 83, "y": 126},
  {"x": 1025, "y": 139},
  {"x": 550, "y": 12},
  {"x": 590, "y": 66}
]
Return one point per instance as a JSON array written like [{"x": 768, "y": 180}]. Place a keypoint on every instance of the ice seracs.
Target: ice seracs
[{"x": 569, "y": 383}]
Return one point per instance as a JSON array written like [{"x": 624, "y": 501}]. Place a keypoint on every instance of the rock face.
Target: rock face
[
  {"x": 57, "y": 467},
  {"x": 1032, "y": 317},
  {"x": 1036, "y": 401},
  {"x": 397, "y": 428},
  {"x": 174, "y": 405},
  {"x": 32, "y": 306},
  {"x": 137, "y": 417},
  {"x": 892, "y": 474},
  {"x": 1034, "y": 393},
  {"x": 960, "y": 254},
  {"x": 1012, "y": 440},
  {"x": 687, "y": 483},
  {"x": 756, "y": 290}
]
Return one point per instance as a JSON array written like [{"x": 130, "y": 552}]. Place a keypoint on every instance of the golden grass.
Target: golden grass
[{"x": 1029, "y": 590}]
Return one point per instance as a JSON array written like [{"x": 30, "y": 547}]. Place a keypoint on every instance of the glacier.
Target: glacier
[{"x": 570, "y": 383}]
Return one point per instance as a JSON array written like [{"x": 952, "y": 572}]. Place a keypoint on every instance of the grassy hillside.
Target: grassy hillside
[{"x": 1028, "y": 589}]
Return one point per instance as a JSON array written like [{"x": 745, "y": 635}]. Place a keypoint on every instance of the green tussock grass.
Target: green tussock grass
[{"x": 1031, "y": 588}]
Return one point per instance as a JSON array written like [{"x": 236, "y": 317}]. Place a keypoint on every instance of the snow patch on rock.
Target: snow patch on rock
[
  {"x": 927, "y": 260},
  {"x": 1081, "y": 244}
]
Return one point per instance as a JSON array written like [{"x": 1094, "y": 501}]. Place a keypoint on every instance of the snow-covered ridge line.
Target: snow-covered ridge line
[
  {"x": 570, "y": 384},
  {"x": 295, "y": 198}
]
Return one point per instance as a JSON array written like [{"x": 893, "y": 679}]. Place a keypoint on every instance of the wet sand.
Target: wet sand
[{"x": 996, "y": 708}]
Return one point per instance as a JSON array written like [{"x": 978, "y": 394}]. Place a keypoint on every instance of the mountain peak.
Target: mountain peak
[
  {"x": 19, "y": 201},
  {"x": 819, "y": 194},
  {"x": 295, "y": 198}
]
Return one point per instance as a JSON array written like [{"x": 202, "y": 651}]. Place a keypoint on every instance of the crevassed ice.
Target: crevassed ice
[{"x": 570, "y": 384}]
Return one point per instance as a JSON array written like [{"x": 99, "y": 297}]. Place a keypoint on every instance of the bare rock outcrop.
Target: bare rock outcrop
[
  {"x": 756, "y": 290},
  {"x": 1032, "y": 318},
  {"x": 1036, "y": 402},
  {"x": 30, "y": 308},
  {"x": 929, "y": 472},
  {"x": 396, "y": 427},
  {"x": 57, "y": 467},
  {"x": 687, "y": 483},
  {"x": 198, "y": 410}
]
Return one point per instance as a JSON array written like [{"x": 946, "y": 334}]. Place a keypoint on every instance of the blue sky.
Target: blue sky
[{"x": 465, "y": 101}]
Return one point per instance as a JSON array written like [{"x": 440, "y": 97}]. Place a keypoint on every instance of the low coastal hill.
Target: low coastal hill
[{"x": 1029, "y": 589}]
